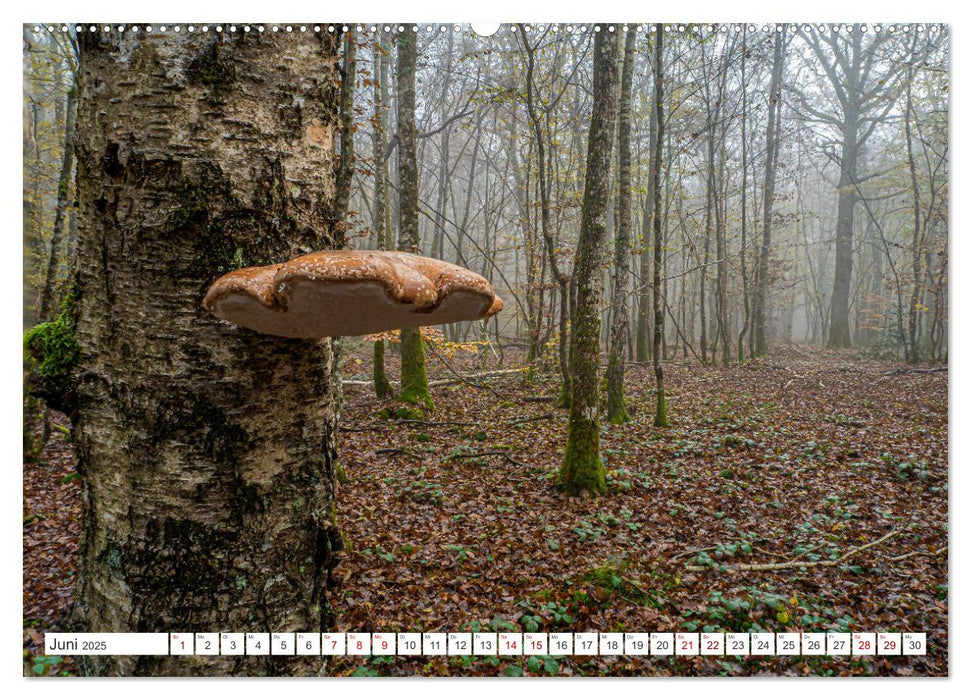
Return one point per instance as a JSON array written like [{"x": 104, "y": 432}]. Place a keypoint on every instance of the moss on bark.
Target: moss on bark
[
  {"x": 616, "y": 403},
  {"x": 563, "y": 400},
  {"x": 582, "y": 472},
  {"x": 382, "y": 387},
  {"x": 661, "y": 413},
  {"x": 414, "y": 378}
]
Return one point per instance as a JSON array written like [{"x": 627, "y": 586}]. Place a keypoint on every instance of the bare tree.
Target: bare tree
[{"x": 863, "y": 85}]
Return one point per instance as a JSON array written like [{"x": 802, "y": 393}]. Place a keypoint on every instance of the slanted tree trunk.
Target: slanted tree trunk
[
  {"x": 206, "y": 450},
  {"x": 582, "y": 471},
  {"x": 414, "y": 379},
  {"x": 661, "y": 410},
  {"x": 616, "y": 405},
  {"x": 382, "y": 203},
  {"x": 911, "y": 345},
  {"x": 63, "y": 192}
]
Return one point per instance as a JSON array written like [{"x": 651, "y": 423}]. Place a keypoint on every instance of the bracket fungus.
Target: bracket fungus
[{"x": 348, "y": 292}]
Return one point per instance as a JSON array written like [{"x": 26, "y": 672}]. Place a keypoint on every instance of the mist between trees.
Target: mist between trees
[{"x": 804, "y": 180}]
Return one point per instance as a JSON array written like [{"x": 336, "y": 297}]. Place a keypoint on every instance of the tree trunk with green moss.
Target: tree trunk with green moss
[
  {"x": 206, "y": 450},
  {"x": 582, "y": 471},
  {"x": 414, "y": 380},
  {"x": 382, "y": 191},
  {"x": 661, "y": 411},
  {"x": 616, "y": 404},
  {"x": 63, "y": 186}
]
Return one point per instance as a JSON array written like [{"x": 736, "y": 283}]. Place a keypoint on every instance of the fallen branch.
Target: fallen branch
[
  {"x": 916, "y": 370},
  {"x": 419, "y": 421},
  {"x": 792, "y": 564},
  {"x": 473, "y": 455},
  {"x": 482, "y": 375},
  {"x": 369, "y": 429},
  {"x": 935, "y": 553},
  {"x": 397, "y": 451},
  {"x": 682, "y": 555},
  {"x": 443, "y": 382},
  {"x": 545, "y": 416}
]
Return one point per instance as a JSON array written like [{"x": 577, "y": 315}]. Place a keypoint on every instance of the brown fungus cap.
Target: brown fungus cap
[{"x": 348, "y": 292}]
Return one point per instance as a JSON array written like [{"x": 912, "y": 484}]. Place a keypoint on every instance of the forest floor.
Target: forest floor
[{"x": 454, "y": 523}]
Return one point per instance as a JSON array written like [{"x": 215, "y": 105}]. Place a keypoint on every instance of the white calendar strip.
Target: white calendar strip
[{"x": 858, "y": 644}]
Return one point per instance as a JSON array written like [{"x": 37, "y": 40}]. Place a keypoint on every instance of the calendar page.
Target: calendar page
[{"x": 540, "y": 349}]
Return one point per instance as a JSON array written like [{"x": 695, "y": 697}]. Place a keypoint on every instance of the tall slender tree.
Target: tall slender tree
[
  {"x": 616, "y": 405},
  {"x": 64, "y": 182},
  {"x": 382, "y": 192},
  {"x": 772, "y": 132},
  {"x": 582, "y": 471},
  {"x": 643, "y": 351},
  {"x": 661, "y": 410},
  {"x": 414, "y": 378}
]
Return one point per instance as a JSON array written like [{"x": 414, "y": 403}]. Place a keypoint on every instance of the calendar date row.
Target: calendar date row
[{"x": 491, "y": 644}]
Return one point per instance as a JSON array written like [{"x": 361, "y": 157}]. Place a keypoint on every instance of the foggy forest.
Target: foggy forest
[{"x": 706, "y": 389}]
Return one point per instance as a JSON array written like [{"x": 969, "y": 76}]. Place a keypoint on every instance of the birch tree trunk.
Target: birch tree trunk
[{"x": 206, "y": 450}]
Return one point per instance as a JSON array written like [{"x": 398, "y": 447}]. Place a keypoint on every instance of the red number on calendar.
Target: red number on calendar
[
  {"x": 864, "y": 644},
  {"x": 890, "y": 644},
  {"x": 712, "y": 644},
  {"x": 360, "y": 645},
  {"x": 685, "y": 644}
]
